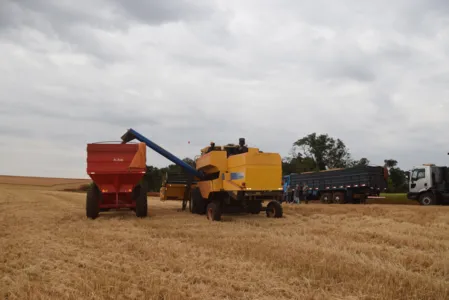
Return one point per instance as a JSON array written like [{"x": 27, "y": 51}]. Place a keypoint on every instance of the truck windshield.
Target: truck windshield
[{"x": 418, "y": 174}]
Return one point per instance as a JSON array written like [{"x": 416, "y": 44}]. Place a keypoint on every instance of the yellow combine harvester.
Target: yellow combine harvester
[
  {"x": 238, "y": 178},
  {"x": 231, "y": 178}
]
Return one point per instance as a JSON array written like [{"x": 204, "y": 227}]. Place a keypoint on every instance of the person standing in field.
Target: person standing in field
[
  {"x": 286, "y": 191},
  {"x": 305, "y": 191},
  {"x": 297, "y": 194}
]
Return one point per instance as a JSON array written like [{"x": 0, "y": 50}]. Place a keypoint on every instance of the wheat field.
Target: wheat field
[
  {"x": 43, "y": 183},
  {"x": 51, "y": 251}
]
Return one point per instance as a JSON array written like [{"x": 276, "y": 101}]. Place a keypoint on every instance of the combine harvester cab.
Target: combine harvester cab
[
  {"x": 116, "y": 170},
  {"x": 227, "y": 179}
]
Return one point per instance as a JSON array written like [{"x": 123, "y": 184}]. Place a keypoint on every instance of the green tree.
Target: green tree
[
  {"x": 189, "y": 161},
  {"x": 390, "y": 163},
  {"x": 325, "y": 151},
  {"x": 295, "y": 163},
  {"x": 361, "y": 162},
  {"x": 398, "y": 178},
  {"x": 153, "y": 177}
]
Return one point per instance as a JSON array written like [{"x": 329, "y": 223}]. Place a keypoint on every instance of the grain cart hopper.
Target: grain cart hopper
[
  {"x": 230, "y": 178},
  {"x": 116, "y": 170}
]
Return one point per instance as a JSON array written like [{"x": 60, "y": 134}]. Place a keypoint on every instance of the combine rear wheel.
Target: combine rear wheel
[
  {"x": 92, "y": 202},
  {"x": 274, "y": 210},
  {"x": 214, "y": 211},
  {"x": 142, "y": 201}
]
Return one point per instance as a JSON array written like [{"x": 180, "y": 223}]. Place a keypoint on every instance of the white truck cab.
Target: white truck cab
[{"x": 428, "y": 184}]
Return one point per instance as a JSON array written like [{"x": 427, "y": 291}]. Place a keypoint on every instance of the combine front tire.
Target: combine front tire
[
  {"x": 92, "y": 205},
  {"x": 213, "y": 211},
  {"x": 142, "y": 201},
  {"x": 274, "y": 210},
  {"x": 197, "y": 203}
]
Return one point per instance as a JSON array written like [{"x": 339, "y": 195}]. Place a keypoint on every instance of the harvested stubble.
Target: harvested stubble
[
  {"x": 43, "y": 183},
  {"x": 51, "y": 251}
]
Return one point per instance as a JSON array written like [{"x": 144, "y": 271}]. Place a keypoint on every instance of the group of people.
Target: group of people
[{"x": 299, "y": 193}]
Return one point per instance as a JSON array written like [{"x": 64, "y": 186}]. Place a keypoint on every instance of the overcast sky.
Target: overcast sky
[{"x": 374, "y": 74}]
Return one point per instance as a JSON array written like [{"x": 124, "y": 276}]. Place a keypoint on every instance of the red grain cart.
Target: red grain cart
[{"x": 116, "y": 170}]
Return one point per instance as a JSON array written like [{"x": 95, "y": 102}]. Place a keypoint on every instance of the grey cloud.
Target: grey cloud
[
  {"x": 159, "y": 12},
  {"x": 57, "y": 14},
  {"x": 70, "y": 111},
  {"x": 14, "y": 131},
  {"x": 80, "y": 25},
  {"x": 200, "y": 61},
  {"x": 75, "y": 25},
  {"x": 349, "y": 70}
]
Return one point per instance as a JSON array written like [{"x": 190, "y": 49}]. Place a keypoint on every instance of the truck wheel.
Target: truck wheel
[
  {"x": 142, "y": 201},
  {"x": 214, "y": 211},
  {"x": 339, "y": 198},
  {"x": 326, "y": 198},
  {"x": 92, "y": 205},
  {"x": 427, "y": 199},
  {"x": 274, "y": 210}
]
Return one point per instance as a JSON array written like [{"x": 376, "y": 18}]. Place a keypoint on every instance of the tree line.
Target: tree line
[{"x": 312, "y": 152}]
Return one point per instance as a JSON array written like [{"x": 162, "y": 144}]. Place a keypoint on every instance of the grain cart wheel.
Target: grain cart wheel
[
  {"x": 339, "y": 198},
  {"x": 142, "y": 201},
  {"x": 213, "y": 211},
  {"x": 274, "y": 209},
  {"x": 427, "y": 199},
  {"x": 92, "y": 205},
  {"x": 326, "y": 198}
]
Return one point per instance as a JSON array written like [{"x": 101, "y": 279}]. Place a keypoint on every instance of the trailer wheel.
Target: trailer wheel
[
  {"x": 274, "y": 210},
  {"x": 214, "y": 211},
  {"x": 142, "y": 201},
  {"x": 427, "y": 199},
  {"x": 326, "y": 198},
  {"x": 92, "y": 205},
  {"x": 339, "y": 198}
]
